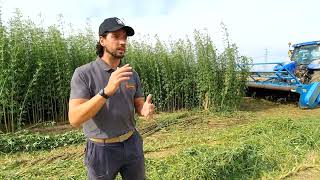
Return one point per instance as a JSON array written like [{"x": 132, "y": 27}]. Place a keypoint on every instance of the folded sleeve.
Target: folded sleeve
[
  {"x": 79, "y": 86},
  {"x": 139, "y": 90}
]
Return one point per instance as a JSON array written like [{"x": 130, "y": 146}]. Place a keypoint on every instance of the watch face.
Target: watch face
[{"x": 101, "y": 92}]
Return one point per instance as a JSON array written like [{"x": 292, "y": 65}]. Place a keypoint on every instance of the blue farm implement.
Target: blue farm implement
[{"x": 299, "y": 76}]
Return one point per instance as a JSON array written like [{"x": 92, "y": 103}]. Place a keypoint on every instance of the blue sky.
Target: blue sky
[{"x": 254, "y": 25}]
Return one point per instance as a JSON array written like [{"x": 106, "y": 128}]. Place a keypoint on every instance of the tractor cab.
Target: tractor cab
[
  {"x": 307, "y": 58},
  {"x": 306, "y": 53}
]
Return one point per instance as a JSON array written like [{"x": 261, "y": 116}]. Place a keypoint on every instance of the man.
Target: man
[{"x": 103, "y": 100}]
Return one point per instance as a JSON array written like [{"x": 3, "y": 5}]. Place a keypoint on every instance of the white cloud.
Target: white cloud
[{"x": 252, "y": 25}]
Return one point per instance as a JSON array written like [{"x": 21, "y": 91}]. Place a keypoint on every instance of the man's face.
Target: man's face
[{"x": 115, "y": 43}]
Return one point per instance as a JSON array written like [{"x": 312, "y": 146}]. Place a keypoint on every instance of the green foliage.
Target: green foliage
[
  {"x": 242, "y": 162},
  {"x": 27, "y": 142},
  {"x": 265, "y": 148},
  {"x": 184, "y": 75},
  {"x": 37, "y": 64}
]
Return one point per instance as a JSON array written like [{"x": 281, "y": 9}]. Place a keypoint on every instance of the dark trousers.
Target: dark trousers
[{"x": 105, "y": 161}]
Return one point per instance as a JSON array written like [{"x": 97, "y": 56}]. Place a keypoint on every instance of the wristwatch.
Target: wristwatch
[{"x": 101, "y": 93}]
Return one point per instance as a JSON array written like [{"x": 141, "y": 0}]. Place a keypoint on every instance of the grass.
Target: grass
[
  {"x": 61, "y": 163},
  {"x": 263, "y": 140}
]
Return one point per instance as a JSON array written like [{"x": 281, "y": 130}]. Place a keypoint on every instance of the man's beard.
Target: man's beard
[{"x": 114, "y": 54}]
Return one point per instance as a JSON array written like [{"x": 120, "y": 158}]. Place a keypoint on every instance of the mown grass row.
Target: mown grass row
[
  {"x": 36, "y": 65},
  {"x": 270, "y": 148},
  {"x": 29, "y": 141}
]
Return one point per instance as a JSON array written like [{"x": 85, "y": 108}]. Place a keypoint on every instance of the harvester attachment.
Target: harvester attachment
[{"x": 282, "y": 78}]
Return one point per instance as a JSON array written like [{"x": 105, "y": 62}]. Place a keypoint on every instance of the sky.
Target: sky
[{"x": 260, "y": 28}]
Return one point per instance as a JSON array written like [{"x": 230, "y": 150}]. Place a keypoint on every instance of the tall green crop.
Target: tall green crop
[{"x": 37, "y": 63}]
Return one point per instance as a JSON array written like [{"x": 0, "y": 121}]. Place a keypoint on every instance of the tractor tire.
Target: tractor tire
[{"x": 315, "y": 77}]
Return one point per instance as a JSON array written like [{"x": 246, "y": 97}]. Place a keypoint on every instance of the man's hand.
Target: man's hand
[
  {"x": 119, "y": 75},
  {"x": 147, "y": 108}
]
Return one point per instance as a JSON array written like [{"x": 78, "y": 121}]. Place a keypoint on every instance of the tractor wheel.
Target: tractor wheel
[{"x": 315, "y": 77}]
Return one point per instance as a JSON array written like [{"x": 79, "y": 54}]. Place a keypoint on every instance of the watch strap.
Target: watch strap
[{"x": 101, "y": 93}]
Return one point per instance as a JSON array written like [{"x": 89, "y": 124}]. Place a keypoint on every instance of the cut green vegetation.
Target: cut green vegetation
[{"x": 273, "y": 141}]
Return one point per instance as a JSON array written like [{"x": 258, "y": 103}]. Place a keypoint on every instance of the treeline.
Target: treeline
[
  {"x": 37, "y": 63},
  {"x": 190, "y": 73},
  {"x": 36, "y": 66}
]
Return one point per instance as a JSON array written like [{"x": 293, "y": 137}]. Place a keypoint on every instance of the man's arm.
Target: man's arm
[
  {"x": 144, "y": 108},
  {"x": 138, "y": 104},
  {"x": 81, "y": 110}
]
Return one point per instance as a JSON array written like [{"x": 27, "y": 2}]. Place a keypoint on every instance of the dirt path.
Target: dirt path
[{"x": 306, "y": 174}]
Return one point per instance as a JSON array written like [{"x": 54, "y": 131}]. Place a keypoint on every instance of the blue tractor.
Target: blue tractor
[{"x": 299, "y": 76}]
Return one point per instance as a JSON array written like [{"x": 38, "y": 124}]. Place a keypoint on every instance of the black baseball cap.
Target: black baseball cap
[{"x": 114, "y": 24}]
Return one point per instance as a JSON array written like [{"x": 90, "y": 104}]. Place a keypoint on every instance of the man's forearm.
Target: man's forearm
[
  {"x": 138, "y": 111},
  {"x": 83, "y": 112},
  {"x": 138, "y": 103}
]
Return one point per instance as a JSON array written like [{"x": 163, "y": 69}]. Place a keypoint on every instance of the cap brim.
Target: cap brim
[{"x": 128, "y": 29}]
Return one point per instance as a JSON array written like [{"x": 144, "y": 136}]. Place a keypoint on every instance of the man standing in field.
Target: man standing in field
[{"x": 103, "y": 99}]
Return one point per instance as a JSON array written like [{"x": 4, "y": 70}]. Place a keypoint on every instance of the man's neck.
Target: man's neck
[{"x": 110, "y": 60}]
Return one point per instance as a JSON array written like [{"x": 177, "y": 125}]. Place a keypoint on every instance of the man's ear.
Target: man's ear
[{"x": 101, "y": 40}]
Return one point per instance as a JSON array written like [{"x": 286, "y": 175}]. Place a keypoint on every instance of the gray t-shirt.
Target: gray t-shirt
[{"x": 116, "y": 117}]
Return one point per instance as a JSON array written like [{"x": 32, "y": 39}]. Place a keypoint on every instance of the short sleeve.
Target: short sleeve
[
  {"x": 79, "y": 86},
  {"x": 139, "y": 91}
]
